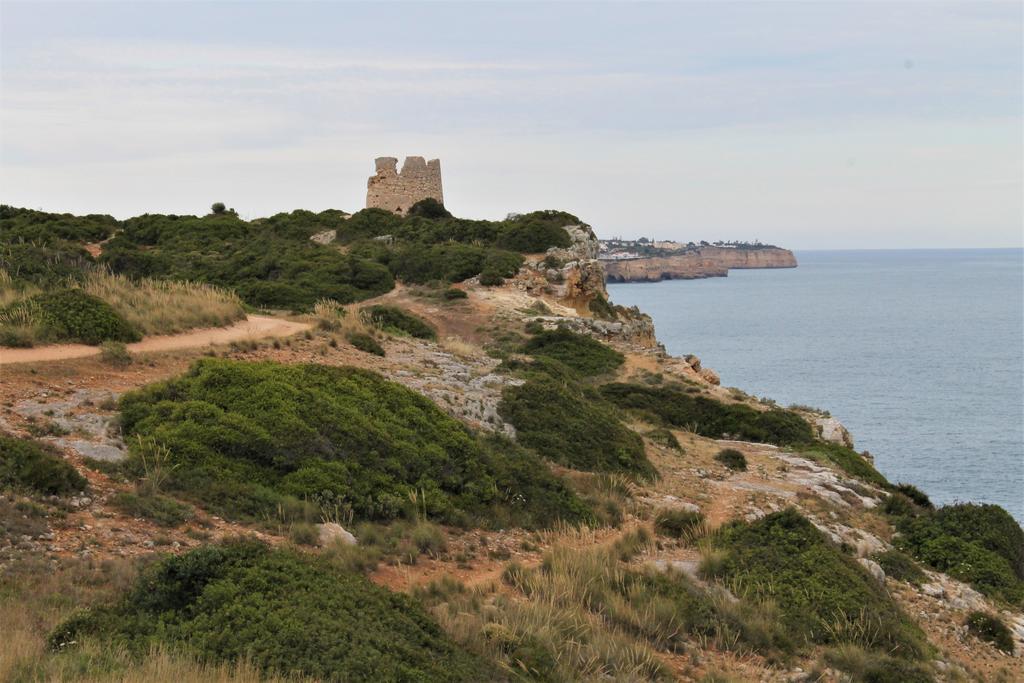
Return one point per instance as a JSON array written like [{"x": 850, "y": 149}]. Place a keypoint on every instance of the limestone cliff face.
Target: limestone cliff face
[
  {"x": 704, "y": 262},
  {"x": 578, "y": 282}
]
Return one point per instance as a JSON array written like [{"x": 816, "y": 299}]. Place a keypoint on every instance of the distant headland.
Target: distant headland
[{"x": 644, "y": 260}]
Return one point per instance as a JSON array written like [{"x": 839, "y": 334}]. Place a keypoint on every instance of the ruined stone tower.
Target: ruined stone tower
[{"x": 394, "y": 191}]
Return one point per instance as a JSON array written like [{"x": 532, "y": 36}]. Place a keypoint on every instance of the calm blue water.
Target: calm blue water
[{"x": 919, "y": 353}]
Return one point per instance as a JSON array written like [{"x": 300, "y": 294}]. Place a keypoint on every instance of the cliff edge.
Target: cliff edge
[{"x": 698, "y": 263}]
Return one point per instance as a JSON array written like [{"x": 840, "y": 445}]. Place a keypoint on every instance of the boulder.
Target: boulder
[
  {"x": 710, "y": 376},
  {"x": 833, "y": 431},
  {"x": 873, "y": 568},
  {"x": 330, "y": 533}
]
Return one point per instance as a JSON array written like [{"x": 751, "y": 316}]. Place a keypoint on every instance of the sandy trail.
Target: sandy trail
[{"x": 253, "y": 327}]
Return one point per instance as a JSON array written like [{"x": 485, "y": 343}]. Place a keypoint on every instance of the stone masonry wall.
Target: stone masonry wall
[{"x": 398, "y": 191}]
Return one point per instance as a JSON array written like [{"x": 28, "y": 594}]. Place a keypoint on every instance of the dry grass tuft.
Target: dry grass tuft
[{"x": 165, "y": 306}]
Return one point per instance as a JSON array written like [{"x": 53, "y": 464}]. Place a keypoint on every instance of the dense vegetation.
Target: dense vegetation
[
  {"x": 979, "y": 544},
  {"x": 824, "y": 596},
  {"x": 585, "y": 355},
  {"x": 569, "y": 423},
  {"x": 271, "y": 262},
  {"x": 675, "y": 407},
  {"x": 268, "y": 262},
  {"x": 285, "y": 612},
  {"x": 64, "y": 315},
  {"x": 396, "y": 320},
  {"x": 44, "y": 249},
  {"x": 244, "y": 437},
  {"x": 33, "y": 466}
]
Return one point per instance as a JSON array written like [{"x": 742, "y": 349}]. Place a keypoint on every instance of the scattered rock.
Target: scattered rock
[
  {"x": 933, "y": 590},
  {"x": 873, "y": 568}
]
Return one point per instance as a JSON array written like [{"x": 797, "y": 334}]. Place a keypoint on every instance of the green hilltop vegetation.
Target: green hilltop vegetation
[{"x": 266, "y": 263}]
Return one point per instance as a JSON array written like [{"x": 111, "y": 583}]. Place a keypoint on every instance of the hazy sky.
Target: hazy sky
[{"x": 825, "y": 125}]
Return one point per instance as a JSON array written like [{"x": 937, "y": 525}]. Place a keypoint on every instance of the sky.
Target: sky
[{"x": 823, "y": 125}]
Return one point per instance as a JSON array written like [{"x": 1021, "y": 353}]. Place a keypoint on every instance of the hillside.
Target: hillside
[{"x": 467, "y": 465}]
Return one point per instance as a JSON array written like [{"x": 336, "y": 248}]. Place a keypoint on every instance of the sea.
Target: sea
[{"x": 919, "y": 353}]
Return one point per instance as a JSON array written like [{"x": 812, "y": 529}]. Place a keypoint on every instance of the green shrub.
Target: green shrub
[
  {"x": 394, "y": 319},
  {"x": 978, "y": 544},
  {"x": 429, "y": 208},
  {"x": 991, "y": 629},
  {"x": 286, "y": 613},
  {"x": 733, "y": 459},
  {"x": 708, "y": 417},
  {"x": 365, "y": 343},
  {"x": 153, "y": 506},
  {"x": 848, "y": 460},
  {"x": 115, "y": 353},
  {"x": 491, "y": 278},
  {"x": 583, "y": 354},
  {"x": 243, "y": 437},
  {"x": 268, "y": 262},
  {"x": 570, "y": 424},
  {"x": 71, "y": 315},
  {"x": 26, "y": 464},
  {"x": 682, "y": 524},
  {"x": 900, "y": 566},
  {"x": 915, "y": 494},
  {"x": 452, "y": 294},
  {"x": 601, "y": 308},
  {"x": 303, "y": 533},
  {"x": 664, "y": 437},
  {"x": 532, "y": 236},
  {"x": 825, "y": 597}
]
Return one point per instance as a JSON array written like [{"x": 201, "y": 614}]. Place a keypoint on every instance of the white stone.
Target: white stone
[{"x": 334, "y": 533}]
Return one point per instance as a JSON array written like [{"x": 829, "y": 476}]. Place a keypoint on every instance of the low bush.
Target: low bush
[
  {"x": 491, "y": 278},
  {"x": 900, "y": 566},
  {"x": 282, "y": 611},
  {"x": 303, "y": 533},
  {"x": 583, "y": 354},
  {"x": 673, "y": 406},
  {"x": 153, "y": 506},
  {"x": 396, "y": 320},
  {"x": 681, "y": 524},
  {"x": 733, "y": 459},
  {"x": 825, "y": 597},
  {"x": 70, "y": 315},
  {"x": 115, "y": 353},
  {"x": 365, "y": 343},
  {"x": 37, "y": 467},
  {"x": 991, "y": 629},
  {"x": 451, "y": 294},
  {"x": 571, "y": 425},
  {"x": 243, "y": 437},
  {"x": 664, "y": 437},
  {"x": 429, "y": 208},
  {"x": 916, "y": 495}
]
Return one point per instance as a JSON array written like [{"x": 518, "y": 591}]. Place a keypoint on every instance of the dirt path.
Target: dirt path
[{"x": 253, "y": 327}]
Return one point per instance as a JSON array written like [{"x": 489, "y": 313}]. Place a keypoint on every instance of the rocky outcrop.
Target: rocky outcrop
[
  {"x": 700, "y": 263},
  {"x": 832, "y": 430}
]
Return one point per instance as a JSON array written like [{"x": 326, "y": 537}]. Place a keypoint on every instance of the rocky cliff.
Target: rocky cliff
[{"x": 700, "y": 263}]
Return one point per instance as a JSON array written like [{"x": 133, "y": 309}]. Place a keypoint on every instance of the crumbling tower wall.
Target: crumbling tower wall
[{"x": 397, "y": 191}]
